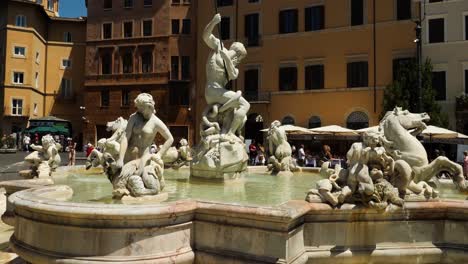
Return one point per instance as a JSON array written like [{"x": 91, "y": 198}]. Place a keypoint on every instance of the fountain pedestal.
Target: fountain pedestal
[{"x": 220, "y": 159}]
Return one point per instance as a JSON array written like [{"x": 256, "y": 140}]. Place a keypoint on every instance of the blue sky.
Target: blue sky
[{"x": 72, "y": 8}]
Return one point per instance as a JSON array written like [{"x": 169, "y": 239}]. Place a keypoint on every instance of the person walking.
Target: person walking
[
  {"x": 465, "y": 163},
  {"x": 71, "y": 152},
  {"x": 26, "y": 142}
]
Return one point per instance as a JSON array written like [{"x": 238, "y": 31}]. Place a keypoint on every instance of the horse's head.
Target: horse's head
[
  {"x": 119, "y": 123},
  {"x": 406, "y": 119}
]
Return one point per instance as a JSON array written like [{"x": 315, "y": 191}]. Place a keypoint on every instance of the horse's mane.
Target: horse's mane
[{"x": 384, "y": 119}]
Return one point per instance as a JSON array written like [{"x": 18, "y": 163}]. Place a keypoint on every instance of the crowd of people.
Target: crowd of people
[{"x": 258, "y": 155}]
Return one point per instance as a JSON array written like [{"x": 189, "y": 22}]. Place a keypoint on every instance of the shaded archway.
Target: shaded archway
[
  {"x": 288, "y": 120},
  {"x": 315, "y": 121},
  {"x": 357, "y": 120},
  {"x": 253, "y": 126}
]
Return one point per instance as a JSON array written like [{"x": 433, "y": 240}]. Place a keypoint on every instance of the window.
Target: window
[
  {"x": 357, "y": 120},
  {"x": 357, "y": 12},
  {"x": 36, "y": 80},
  {"x": 17, "y": 107},
  {"x": 252, "y": 29},
  {"x": 357, "y": 74},
  {"x": 466, "y": 27},
  {"x": 179, "y": 95},
  {"x": 224, "y": 2},
  {"x": 251, "y": 84},
  {"x": 20, "y": 51},
  {"x": 175, "y": 26},
  {"x": 436, "y": 30},
  {"x": 288, "y": 120},
  {"x": 127, "y": 63},
  {"x": 107, "y": 4},
  {"x": 67, "y": 37},
  {"x": 20, "y": 21},
  {"x": 37, "y": 57},
  {"x": 314, "y": 18},
  {"x": 147, "y": 28},
  {"x": 105, "y": 98},
  {"x": 253, "y": 1},
  {"x": 288, "y": 78},
  {"x": 399, "y": 65},
  {"x": 435, "y": 1},
  {"x": 18, "y": 77},
  {"x": 315, "y": 121},
  {"x": 106, "y": 64},
  {"x": 147, "y": 2},
  {"x": 107, "y": 30},
  {"x": 403, "y": 9},
  {"x": 125, "y": 98},
  {"x": 225, "y": 26},
  {"x": 147, "y": 62},
  {"x": 66, "y": 63},
  {"x": 439, "y": 85},
  {"x": 128, "y": 29},
  {"x": 50, "y": 5},
  {"x": 186, "y": 25},
  {"x": 185, "y": 67},
  {"x": 288, "y": 21},
  {"x": 66, "y": 89},
  {"x": 174, "y": 68},
  {"x": 128, "y": 3},
  {"x": 314, "y": 77}
]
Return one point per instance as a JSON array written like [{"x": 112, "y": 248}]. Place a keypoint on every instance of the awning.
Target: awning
[
  {"x": 48, "y": 130},
  {"x": 291, "y": 129},
  {"x": 334, "y": 130}
]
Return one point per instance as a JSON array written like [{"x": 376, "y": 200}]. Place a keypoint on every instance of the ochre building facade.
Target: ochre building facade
[
  {"x": 312, "y": 63},
  {"x": 139, "y": 46},
  {"x": 41, "y": 64}
]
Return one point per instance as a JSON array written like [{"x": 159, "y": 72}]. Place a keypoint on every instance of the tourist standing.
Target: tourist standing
[
  {"x": 26, "y": 142},
  {"x": 71, "y": 152},
  {"x": 89, "y": 149},
  {"x": 252, "y": 152},
  {"x": 465, "y": 163},
  {"x": 301, "y": 156}
]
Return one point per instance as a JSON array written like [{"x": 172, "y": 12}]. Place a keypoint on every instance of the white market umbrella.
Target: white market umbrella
[
  {"x": 334, "y": 130},
  {"x": 439, "y": 132},
  {"x": 292, "y": 129}
]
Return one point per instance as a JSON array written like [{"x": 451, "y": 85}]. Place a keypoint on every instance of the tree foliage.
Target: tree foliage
[{"x": 403, "y": 91}]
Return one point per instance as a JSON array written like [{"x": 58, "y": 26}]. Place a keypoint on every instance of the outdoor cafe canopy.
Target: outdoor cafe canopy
[
  {"x": 334, "y": 130},
  {"x": 294, "y": 130}
]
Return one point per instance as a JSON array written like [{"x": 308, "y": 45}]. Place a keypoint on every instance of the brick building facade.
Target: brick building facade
[{"x": 139, "y": 46}]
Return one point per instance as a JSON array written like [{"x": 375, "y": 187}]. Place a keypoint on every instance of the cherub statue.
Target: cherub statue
[{"x": 45, "y": 159}]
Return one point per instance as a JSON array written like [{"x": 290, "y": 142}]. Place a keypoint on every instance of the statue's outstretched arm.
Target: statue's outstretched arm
[
  {"x": 208, "y": 37},
  {"x": 37, "y": 148}
]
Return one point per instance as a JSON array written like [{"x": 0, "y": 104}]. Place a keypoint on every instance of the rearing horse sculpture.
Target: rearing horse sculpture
[{"x": 412, "y": 168}]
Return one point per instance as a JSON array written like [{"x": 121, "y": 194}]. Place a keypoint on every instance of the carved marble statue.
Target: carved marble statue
[
  {"x": 141, "y": 171},
  {"x": 221, "y": 152},
  {"x": 176, "y": 158},
  {"x": 109, "y": 149},
  {"x": 280, "y": 150},
  {"x": 387, "y": 167},
  {"x": 45, "y": 159}
]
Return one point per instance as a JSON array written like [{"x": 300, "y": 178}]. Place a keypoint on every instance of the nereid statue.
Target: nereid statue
[
  {"x": 280, "y": 150},
  {"x": 221, "y": 152},
  {"x": 45, "y": 159},
  {"x": 176, "y": 158},
  {"x": 126, "y": 158},
  {"x": 387, "y": 167}
]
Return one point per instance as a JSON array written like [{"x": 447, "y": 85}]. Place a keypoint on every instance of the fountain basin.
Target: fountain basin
[{"x": 190, "y": 231}]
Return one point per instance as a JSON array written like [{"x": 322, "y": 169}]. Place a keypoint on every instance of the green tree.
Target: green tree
[{"x": 403, "y": 92}]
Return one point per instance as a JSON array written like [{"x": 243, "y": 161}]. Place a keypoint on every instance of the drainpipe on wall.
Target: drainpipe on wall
[{"x": 375, "y": 58}]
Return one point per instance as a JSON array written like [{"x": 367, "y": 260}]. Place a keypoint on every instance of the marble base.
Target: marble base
[
  {"x": 187, "y": 231},
  {"x": 7, "y": 151},
  {"x": 158, "y": 198}
]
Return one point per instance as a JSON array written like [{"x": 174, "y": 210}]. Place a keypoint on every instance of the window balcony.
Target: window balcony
[
  {"x": 127, "y": 78},
  {"x": 257, "y": 97}
]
